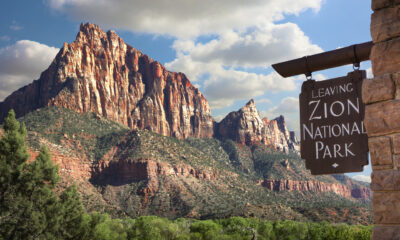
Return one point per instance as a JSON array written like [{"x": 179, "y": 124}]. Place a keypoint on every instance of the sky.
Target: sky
[{"x": 226, "y": 48}]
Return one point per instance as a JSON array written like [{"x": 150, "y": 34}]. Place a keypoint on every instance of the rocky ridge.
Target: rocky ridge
[
  {"x": 247, "y": 127},
  {"x": 102, "y": 78},
  {"x": 317, "y": 187},
  {"x": 100, "y": 73},
  {"x": 138, "y": 172}
]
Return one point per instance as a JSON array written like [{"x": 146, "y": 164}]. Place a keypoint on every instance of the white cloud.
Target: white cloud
[
  {"x": 289, "y": 108},
  {"x": 182, "y": 18},
  {"x": 287, "y": 105},
  {"x": 260, "y": 47},
  {"x": 219, "y": 58},
  {"x": 319, "y": 77},
  {"x": 291, "y": 117},
  {"x": 240, "y": 35},
  {"x": 362, "y": 178},
  {"x": 262, "y": 100},
  {"x": 223, "y": 87},
  {"x": 21, "y": 63}
]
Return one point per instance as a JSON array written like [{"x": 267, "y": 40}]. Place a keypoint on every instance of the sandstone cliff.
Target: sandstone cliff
[
  {"x": 347, "y": 190},
  {"x": 99, "y": 72},
  {"x": 136, "y": 173},
  {"x": 247, "y": 127}
]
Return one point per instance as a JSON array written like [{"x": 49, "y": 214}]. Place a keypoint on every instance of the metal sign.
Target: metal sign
[{"x": 333, "y": 136}]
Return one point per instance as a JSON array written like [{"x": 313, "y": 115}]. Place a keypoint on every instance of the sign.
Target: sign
[{"x": 333, "y": 136}]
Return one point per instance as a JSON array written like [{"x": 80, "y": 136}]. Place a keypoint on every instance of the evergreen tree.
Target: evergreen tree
[
  {"x": 72, "y": 221},
  {"x": 29, "y": 208}
]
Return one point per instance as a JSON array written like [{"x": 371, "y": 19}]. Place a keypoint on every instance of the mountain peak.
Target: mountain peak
[
  {"x": 247, "y": 127},
  {"x": 100, "y": 73},
  {"x": 94, "y": 36},
  {"x": 250, "y": 103},
  {"x": 281, "y": 118},
  {"x": 86, "y": 27}
]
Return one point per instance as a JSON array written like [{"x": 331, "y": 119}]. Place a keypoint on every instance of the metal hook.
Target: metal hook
[
  {"x": 308, "y": 76},
  {"x": 308, "y": 73},
  {"x": 356, "y": 63},
  {"x": 356, "y": 66}
]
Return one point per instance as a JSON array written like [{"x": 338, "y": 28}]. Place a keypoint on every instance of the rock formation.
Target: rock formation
[
  {"x": 318, "y": 187},
  {"x": 247, "y": 127},
  {"x": 125, "y": 172},
  {"x": 99, "y": 72}
]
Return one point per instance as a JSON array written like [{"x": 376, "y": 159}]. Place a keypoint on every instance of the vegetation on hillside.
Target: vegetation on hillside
[
  {"x": 234, "y": 191},
  {"x": 29, "y": 207}
]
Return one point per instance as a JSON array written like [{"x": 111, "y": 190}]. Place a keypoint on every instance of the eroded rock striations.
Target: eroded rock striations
[
  {"x": 99, "y": 72},
  {"x": 347, "y": 190},
  {"x": 247, "y": 127}
]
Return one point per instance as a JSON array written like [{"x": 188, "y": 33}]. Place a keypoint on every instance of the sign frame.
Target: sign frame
[{"x": 333, "y": 138}]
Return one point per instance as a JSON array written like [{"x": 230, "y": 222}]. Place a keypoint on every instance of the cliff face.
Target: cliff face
[
  {"x": 318, "y": 187},
  {"x": 136, "y": 173},
  {"x": 123, "y": 172},
  {"x": 100, "y": 73},
  {"x": 247, "y": 127}
]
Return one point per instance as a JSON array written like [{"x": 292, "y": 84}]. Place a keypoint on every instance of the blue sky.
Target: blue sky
[{"x": 224, "y": 47}]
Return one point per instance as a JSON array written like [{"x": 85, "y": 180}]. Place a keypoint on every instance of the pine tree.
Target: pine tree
[
  {"x": 29, "y": 208},
  {"x": 72, "y": 221}
]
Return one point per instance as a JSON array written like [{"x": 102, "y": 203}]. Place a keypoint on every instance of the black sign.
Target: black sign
[{"x": 333, "y": 136}]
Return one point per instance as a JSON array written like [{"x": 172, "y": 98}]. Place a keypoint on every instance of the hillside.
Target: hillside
[
  {"x": 138, "y": 139},
  {"x": 137, "y": 172}
]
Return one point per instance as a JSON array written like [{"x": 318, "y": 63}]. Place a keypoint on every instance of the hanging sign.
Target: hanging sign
[{"x": 333, "y": 136}]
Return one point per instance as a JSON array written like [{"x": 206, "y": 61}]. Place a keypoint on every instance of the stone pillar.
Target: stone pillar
[{"x": 382, "y": 118}]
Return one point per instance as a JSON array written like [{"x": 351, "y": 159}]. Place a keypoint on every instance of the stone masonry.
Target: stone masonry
[{"x": 382, "y": 118}]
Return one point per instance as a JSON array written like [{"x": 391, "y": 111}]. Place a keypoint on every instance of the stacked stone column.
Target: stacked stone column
[{"x": 382, "y": 118}]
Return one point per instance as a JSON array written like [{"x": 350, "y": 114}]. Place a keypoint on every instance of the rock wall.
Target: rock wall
[
  {"x": 123, "y": 172},
  {"x": 100, "y": 73},
  {"x": 318, "y": 187},
  {"x": 382, "y": 115}
]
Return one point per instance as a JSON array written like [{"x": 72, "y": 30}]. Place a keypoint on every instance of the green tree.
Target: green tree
[
  {"x": 73, "y": 222},
  {"x": 144, "y": 229},
  {"x": 240, "y": 228},
  {"x": 206, "y": 229},
  {"x": 266, "y": 230},
  {"x": 290, "y": 230},
  {"x": 29, "y": 208},
  {"x": 111, "y": 229}
]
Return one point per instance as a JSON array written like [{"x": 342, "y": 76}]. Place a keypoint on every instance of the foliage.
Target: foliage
[
  {"x": 234, "y": 173},
  {"x": 29, "y": 208},
  {"x": 88, "y": 131},
  {"x": 236, "y": 228}
]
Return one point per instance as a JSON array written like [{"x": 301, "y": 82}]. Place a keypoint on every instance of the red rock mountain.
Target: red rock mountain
[
  {"x": 99, "y": 72},
  {"x": 136, "y": 172},
  {"x": 247, "y": 127}
]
